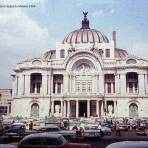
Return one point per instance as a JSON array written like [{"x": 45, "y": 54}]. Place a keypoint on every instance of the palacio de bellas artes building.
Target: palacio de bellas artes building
[{"x": 86, "y": 75}]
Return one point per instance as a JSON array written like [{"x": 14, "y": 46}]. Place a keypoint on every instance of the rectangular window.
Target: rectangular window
[
  {"x": 62, "y": 53},
  {"x": 77, "y": 86},
  {"x": 89, "y": 87},
  {"x": 107, "y": 53},
  {"x": 83, "y": 86}
]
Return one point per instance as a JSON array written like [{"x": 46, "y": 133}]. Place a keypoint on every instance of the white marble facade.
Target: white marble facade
[{"x": 87, "y": 75}]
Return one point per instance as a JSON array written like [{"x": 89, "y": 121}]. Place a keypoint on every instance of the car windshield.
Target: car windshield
[{"x": 91, "y": 128}]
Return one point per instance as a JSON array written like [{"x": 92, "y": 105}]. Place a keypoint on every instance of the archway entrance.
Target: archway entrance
[
  {"x": 82, "y": 108},
  {"x": 133, "y": 110}
]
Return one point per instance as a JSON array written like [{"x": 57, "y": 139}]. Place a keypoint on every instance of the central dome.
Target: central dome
[{"x": 85, "y": 34}]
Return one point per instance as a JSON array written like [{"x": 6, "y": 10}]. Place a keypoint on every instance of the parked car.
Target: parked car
[
  {"x": 129, "y": 144},
  {"x": 105, "y": 130},
  {"x": 68, "y": 134},
  {"x": 10, "y": 137},
  {"x": 46, "y": 140},
  {"x": 74, "y": 124},
  {"x": 124, "y": 127},
  {"x": 91, "y": 130},
  {"x": 142, "y": 131},
  {"x": 18, "y": 128}
]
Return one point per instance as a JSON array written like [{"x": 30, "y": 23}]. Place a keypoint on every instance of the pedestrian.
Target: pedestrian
[
  {"x": 117, "y": 129},
  {"x": 30, "y": 125},
  {"x": 1, "y": 127}
]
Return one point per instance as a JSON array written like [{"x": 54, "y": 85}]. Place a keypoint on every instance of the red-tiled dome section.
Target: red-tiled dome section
[
  {"x": 85, "y": 36},
  {"x": 120, "y": 53}
]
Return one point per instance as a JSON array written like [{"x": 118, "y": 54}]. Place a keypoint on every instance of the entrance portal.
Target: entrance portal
[{"x": 82, "y": 109}]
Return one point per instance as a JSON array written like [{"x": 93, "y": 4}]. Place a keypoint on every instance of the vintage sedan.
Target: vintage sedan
[
  {"x": 18, "y": 128},
  {"x": 10, "y": 137},
  {"x": 69, "y": 135},
  {"x": 105, "y": 130},
  {"x": 91, "y": 131},
  {"x": 129, "y": 144},
  {"x": 46, "y": 140}
]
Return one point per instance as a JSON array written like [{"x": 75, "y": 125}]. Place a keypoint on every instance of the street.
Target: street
[{"x": 106, "y": 140}]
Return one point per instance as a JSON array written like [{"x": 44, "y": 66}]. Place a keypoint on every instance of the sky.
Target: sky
[{"x": 28, "y": 28}]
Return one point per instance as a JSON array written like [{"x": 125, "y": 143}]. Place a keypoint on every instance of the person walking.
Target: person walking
[
  {"x": 1, "y": 127},
  {"x": 30, "y": 125},
  {"x": 117, "y": 129}
]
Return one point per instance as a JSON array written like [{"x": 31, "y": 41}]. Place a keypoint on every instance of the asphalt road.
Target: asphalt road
[{"x": 106, "y": 140}]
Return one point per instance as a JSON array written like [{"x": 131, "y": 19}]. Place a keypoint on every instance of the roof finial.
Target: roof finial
[
  {"x": 85, "y": 21},
  {"x": 85, "y": 14}
]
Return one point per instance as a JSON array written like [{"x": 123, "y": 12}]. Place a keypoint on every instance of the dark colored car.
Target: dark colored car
[
  {"x": 142, "y": 131},
  {"x": 18, "y": 128},
  {"x": 129, "y": 144},
  {"x": 46, "y": 140},
  {"x": 69, "y": 135},
  {"x": 10, "y": 137}
]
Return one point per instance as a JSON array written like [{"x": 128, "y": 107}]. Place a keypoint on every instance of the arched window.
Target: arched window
[
  {"x": 35, "y": 110},
  {"x": 131, "y": 61},
  {"x": 62, "y": 53}
]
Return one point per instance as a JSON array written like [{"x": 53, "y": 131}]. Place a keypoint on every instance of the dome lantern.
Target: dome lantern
[{"x": 85, "y": 21}]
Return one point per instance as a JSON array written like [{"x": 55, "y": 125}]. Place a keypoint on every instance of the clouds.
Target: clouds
[
  {"x": 102, "y": 13},
  {"x": 20, "y": 32},
  {"x": 21, "y": 38},
  {"x": 140, "y": 49}
]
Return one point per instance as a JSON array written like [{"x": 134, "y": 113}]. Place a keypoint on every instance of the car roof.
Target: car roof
[
  {"x": 40, "y": 135},
  {"x": 7, "y": 146},
  {"x": 129, "y": 144}
]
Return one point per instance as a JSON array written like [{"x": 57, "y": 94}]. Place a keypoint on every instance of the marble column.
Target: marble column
[
  {"x": 141, "y": 84},
  {"x": 106, "y": 90},
  {"x": 44, "y": 84},
  {"x": 97, "y": 108},
  {"x": 68, "y": 109},
  {"x": 28, "y": 83},
  {"x": 115, "y": 108},
  {"x": 112, "y": 88},
  {"x": 65, "y": 87},
  {"x": 61, "y": 88},
  {"x": 77, "y": 108},
  {"x": 123, "y": 84},
  {"x": 64, "y": 108},
  {"x": 146, "y": 83},
  {"x": 116, "y": 83},
  {"x": 88, "y": 108},
  {"x": 102, "y": 108},
  {"x": 52, "y": 108},
  {"x": 101, "y": 83},
  {"x": 56, "y": 88},
  {"x": 62, "y": 112}
]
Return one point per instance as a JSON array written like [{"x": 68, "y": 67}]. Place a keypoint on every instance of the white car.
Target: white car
[{"x": 91, "y": 130}]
